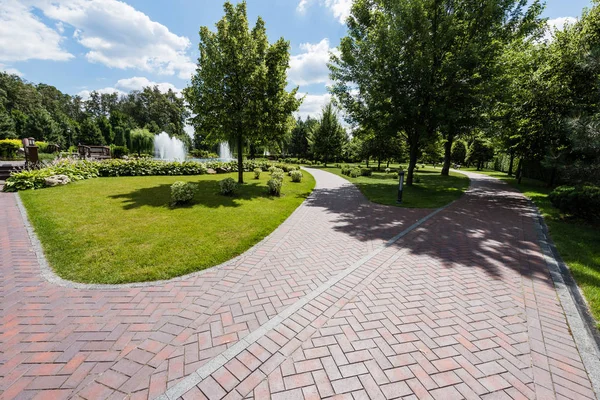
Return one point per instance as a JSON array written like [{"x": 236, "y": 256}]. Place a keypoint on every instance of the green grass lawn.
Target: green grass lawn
[
  {"x": 118, "y": 230},
  {"x": 433, "y": 191},
  {"x": 577, "y": 241}
]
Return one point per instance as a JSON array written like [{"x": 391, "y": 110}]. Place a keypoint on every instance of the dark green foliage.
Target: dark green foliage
[
  {"x": 480, "y": 152},
  {"x": 7, "y": 126},
  {"x": 459, "y": 152},
  {"x": 366, "y": 172},
  {"x": 228, "y": 186},
  {"x": 183, "y": 192},
  {"x": 328, "y": 136},
  {"x": 580, "y": 201},
  {"x": 9, "y": 148},
  {"x": 238, "y": 92},
  {"x": 90, "y": 134},
  {"x": 118, "y": 151}
]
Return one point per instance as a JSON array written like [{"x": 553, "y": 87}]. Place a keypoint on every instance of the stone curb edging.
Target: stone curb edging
[
  {"x": 219, "y": 361},
  {"x": 50, "y": 276},
  {"x": 581, "y": 323}
]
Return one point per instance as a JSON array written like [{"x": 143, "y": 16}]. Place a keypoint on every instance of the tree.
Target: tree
[
  {"x": 41, "y": 126},
  {"x": 299, "y": 144},
  {"x": 459, "y": 152},
  {"x": 142, "y": 141},
  {"x": 7, "y": 126},
  {"x": 402, "y": 60},
  {"x": 480, "y": 152},
  {"x": 238, "y": 91},
  {"x": 90, "y": 134},
  {"x": 328, "y": 136},
  {"x": 105, "y": 129}
]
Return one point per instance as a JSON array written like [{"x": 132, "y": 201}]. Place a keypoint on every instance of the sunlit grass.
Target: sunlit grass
[
  {"x": 432, "y": 191},
  {"x": 117, "y": 230}
]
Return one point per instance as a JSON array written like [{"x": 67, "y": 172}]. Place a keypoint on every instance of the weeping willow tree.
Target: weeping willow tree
[{"x": 142, "y": 141}]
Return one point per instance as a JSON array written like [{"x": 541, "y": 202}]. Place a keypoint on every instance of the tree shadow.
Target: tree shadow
[
  {"x": 491, "y": 228},
  {"x": 207, "y": 195}
]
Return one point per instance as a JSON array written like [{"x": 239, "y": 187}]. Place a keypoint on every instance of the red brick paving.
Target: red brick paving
[
  {"x": 111, "y": 342},
  {"x": 462, "y": 307}
]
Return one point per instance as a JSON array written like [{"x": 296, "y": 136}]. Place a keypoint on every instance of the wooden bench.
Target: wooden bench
[{"x": 94, "y": 152}]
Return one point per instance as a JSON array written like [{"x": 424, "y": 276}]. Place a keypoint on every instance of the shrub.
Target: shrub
[
  {"x": 257, "y": 172},
  {"x": 581, "y": 201},
  {"x": 272, "y": 169},
  {"x": 275, "y": 186},
  {"x": 9, "y": 148},
  {"x": 338, "y": 166},
  {"x": 296, "y": 176},
  {"x": 228, "y": 186},
  {"x": 346, "y": 170},
  {"x": 355, "y": 172},
  {"x": 146, "y": 167},
  {"x": 183, "y": 192},
  {"x": 366, "y": 172},
  {"x": 277, "y": 175},
  {"x": 75, "y": 170},
  {"x": 118, "y": 151},
  {"x": 388, "y": 170}
]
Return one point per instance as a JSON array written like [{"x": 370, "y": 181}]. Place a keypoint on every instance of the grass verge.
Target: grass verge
[
  {"x": 433, "y": 190},
  {"x": 577, "y": 241},
  {"x": 120, "y": 230}
]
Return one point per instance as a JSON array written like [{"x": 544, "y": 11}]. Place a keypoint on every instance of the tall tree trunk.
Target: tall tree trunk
[
  {"x": 379, "y": 164},
  {"x": 520, "y": 171},
  {"x": 367, "y": 162},
  {"x": 447, "y": 155},
  {"x": 512, "y": 162},
  {"x": 388, "y": 163},
  {"x": 414, "y": 151},
  {"x": 240, "y": 149}
]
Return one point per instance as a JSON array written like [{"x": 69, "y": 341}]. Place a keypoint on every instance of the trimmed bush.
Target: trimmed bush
[
  {"x": 296, "y": 176},
  {"x": 366, "y": 172},
  {"x": 9, "y": 148},
  {"x": 118, "y": 151},
  {"x": 228, "y": 186},
  {"x": 388, "y": 170},
  {"x": 257, "y": 172},
  {"x": 346, "y": 170},
  {"x": 580, "y": 201},
  {"x": 183, "y": 192},
  {"x": 355, "y": 172},
  {"x": 278, "y": 175},
  {"x": 275, "y": 186}
]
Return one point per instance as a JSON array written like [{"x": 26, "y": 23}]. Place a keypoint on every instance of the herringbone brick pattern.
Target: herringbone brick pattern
[
  {"x": 60, "y": 342},
  {"x": 462, "y": 308}
]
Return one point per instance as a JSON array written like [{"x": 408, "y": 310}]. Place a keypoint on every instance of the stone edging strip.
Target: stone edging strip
[
  {"x": 49, "y": 275},
  {"x": 219, "y": 361},
  {"x": 581, "y": 323}
]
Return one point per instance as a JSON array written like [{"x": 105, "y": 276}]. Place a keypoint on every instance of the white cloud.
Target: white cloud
[
  {"x": 140, "y": 82},
  {"x": 85, "y": 94},
  {"x": 557, "y": 24},
  {"x": 339, "y": 8},
  {"x": 123, "y": 86},
  {"x": 24, "y": 37},
  {"x": 311, "y": 66},
  {"x": 119, "y": 36},
  {"x": 312, "y": 104},
  {"x": 9, "y": 70}
]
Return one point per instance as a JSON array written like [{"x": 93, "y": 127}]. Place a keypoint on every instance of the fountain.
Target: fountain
[
  {"x": 225, "y": 152},
  {"x": 168, "y": 148}
]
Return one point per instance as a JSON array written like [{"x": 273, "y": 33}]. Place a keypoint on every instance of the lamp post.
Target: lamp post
[{"x": 400, "y": 187}]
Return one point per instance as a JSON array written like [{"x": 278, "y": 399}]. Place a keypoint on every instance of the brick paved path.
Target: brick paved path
[{"x": 461, "y": 307}]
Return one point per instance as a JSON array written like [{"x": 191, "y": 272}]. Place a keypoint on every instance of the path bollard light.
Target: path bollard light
[{"x": 400, "y": 187}]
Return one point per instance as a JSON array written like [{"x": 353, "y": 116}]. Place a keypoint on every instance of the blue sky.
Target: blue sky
[{"x": 112, "y": 45}]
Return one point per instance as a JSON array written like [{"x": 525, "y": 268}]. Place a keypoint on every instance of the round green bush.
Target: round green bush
[
  {"x": 355, "y": 172},
  {"x": 366, "y": 171},
  {"x": 296, "y": 176},
  {"x": 183, "y": 192},
  {"x": 580, "y": 201},
  {"x": 257, "y": 172},
  {"x": 275, "y": 186},
  {"x": 228, "y": 186}
]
